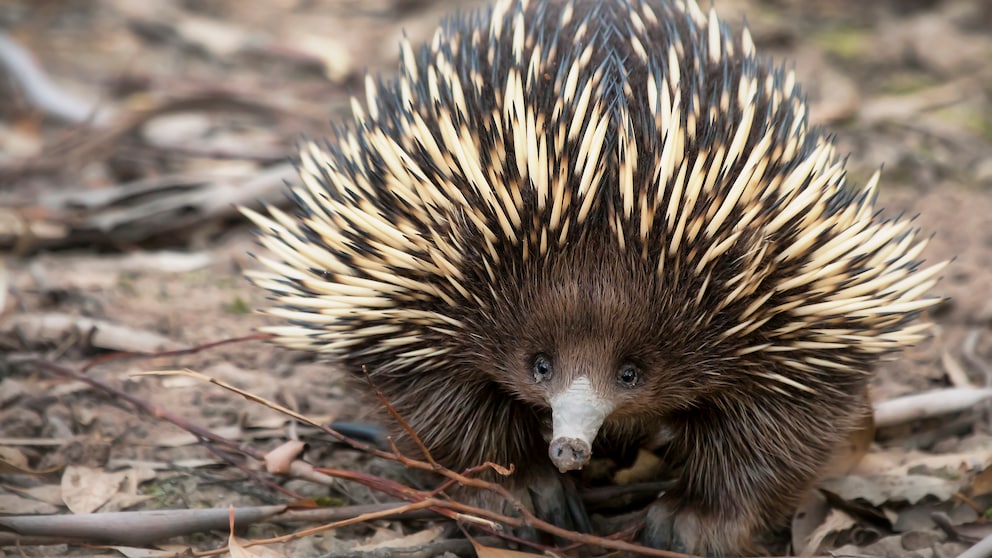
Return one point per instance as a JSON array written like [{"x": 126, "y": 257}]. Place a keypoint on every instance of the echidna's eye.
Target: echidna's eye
[
  {"x": 628, "y": 375},
  {"x": 542, "y": 367}
]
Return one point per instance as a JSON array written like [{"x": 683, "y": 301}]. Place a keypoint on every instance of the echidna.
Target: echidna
[{"x": 568, "y": 223}]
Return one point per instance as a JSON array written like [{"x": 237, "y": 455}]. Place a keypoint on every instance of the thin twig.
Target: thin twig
[
  {"x": 328, "y": 527},
  {"x": 406, "y": 426},
  {"x": 103, "y": 359}
]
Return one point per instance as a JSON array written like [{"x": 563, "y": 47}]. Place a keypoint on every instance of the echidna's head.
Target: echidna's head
[
  {"x": 610, "y": 208},
  {"x": 592, "y": 336}
]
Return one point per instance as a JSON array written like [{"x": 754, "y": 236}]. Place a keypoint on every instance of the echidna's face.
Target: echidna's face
[{"x": 589, "y": 341}]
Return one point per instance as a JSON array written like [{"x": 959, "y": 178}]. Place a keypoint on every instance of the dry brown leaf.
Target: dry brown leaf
[
  {"x": 10, "y": 389},
  {"x": 48, "y": 493},
  {"x": 85, "y": 489},
  {"x": 808, "y": 518},
  {"x": 886, "y": 547},
  {"x": 128, "y": 495},
  {"x": 901, "y": 462},
  {"x": 835, "y": 522},
  {"x": 921, "y": 516},
  {"x": 407, "y": 541},
  {"x": 483, "y": 551},
  {"x": 982, "y": 483},
  {"x": 879, "y": 489},
  {"x": 238, "y": 551},
  {"x": 13, "y": 461},
  {"x": 11, "y": 504},
  {"x": 278, "y": 460}
]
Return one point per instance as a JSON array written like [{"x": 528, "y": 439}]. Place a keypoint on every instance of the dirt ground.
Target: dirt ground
[{"x": 118, "y": 233}]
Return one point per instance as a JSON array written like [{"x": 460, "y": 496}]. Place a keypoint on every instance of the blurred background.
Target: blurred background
[{"x": 106, "y": 93}]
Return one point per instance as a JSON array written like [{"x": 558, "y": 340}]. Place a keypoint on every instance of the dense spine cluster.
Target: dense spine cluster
[
  {"x": 503, "y": 134},
  {"x": 640, "y": 131}
]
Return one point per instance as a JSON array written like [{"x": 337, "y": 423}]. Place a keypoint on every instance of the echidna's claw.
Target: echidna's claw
[
  {"x": 557, "y": 501},
  {"x": 659, "y": 529}
]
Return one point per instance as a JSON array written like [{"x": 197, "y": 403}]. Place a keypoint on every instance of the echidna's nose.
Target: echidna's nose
[
  {"x": 569, "y": 454},
  {"x": 576, "y": 415}
]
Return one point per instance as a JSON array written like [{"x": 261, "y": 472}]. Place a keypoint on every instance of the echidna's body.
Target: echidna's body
[{"x": 566, "y": 219}]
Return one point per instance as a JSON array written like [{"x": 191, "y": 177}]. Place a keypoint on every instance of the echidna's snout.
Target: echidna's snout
[
  {"x": 576, "y": 415},
  {"x": 569, "y": 453}
]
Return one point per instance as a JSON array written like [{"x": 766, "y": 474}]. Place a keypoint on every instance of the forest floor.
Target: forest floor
[{"x": 120, "y": 233}]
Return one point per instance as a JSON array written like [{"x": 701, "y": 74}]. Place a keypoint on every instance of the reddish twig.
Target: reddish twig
[
  {"x": 103, "y": 359},
  {"x": 406, "y": 426}
]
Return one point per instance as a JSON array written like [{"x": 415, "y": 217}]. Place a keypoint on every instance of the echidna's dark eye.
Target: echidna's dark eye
[
  {"x": 628, "y": 376},
  {"x": 542, "y": 367}
]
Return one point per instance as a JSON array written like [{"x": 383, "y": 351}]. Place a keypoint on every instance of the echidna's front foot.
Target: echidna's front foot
[
  {"x": 557, "y": 501},
  {"x": 689, "y": 533},
  {"x": 659, "y": 529}
]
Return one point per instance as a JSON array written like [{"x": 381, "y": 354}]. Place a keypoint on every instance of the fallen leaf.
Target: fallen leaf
[
  {"x": 483, "y": 551},
  {"x": 835, "y": 522},
  {"x": 128, "y": 495},
  {"x": 10, "y": 388},
  {"x": 408, "y": 541},
  {"x": 898, "y": 463},
  {"x": 12, "y": 504},
  {"x": 85, "y": 489},
  {"x": 239, "y": 551},
  {"x": 809, "y": 516},
  {"x": 879, "y": 489},
  {"x": 278, "y": 460},
  {"x": 49, "y": 493},
  {"x": 13, "y": 461},
  {"x": 982, "y": 483}
]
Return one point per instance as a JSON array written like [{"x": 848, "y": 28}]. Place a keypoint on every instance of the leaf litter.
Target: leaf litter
[{"x": 118, "y": 229}]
